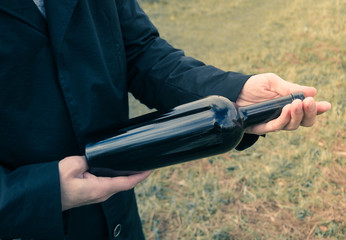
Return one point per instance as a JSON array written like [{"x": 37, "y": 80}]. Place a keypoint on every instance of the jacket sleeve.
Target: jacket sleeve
[
  {"x": 161, "y": 76},
  {"x": 30, "y": 205}
]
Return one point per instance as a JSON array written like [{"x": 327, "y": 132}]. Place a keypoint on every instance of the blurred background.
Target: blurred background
[{"x": 289, "y": 185}]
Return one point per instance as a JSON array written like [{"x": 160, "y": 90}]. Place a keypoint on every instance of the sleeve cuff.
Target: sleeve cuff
[{"x": 31, "y": 202}]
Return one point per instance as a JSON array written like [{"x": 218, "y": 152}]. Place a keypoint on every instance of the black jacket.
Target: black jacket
[{"x": 68, "y": 76}]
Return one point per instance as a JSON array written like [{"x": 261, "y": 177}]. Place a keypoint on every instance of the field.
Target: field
[{"x": 289, "y": 185}]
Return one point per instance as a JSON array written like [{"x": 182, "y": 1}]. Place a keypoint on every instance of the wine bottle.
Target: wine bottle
[{"x": 198, "y": 129}]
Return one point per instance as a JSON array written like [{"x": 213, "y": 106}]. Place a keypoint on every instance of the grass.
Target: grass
[{"x": 289, "y": 185}]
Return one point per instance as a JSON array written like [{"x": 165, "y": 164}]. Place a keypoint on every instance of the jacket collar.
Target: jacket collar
[
  {"x": 27, "y": 12},
  {"x": 59, "y": 13}
]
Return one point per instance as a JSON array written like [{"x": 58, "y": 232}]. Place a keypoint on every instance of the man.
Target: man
[{"x": 65, "y": 74}]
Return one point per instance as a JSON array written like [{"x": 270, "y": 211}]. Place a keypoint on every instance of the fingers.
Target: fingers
[
  {"x": 101, "y": 188},
  {"x": 117, "y": 184},
  {"x": 322, "y": 107},
  {"x": 79, "y": 187},
  {"x": 296, "y": 115},
  {"x": 299, "y": 113},
  {"x": 310, "y": 112},
  {"x": 274, "y": 125},
  {"x": 281, "y": 122}
]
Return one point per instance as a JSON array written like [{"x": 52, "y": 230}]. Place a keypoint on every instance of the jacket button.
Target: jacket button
[{"x": 117, "y": 230}]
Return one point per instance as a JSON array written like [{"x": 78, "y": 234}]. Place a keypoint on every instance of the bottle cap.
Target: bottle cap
[{"x": 298, "y": 95}]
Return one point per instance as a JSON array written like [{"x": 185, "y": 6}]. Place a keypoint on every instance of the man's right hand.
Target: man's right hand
[
  {"x": 268, "y": 86},
  {"x": 79, "y": 187}
]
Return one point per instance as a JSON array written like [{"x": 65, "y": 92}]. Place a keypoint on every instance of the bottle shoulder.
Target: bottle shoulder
[{"x": 226, "y": 113}]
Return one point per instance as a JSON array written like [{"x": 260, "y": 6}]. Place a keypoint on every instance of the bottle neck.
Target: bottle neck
[{"x": 265, "y": 111}]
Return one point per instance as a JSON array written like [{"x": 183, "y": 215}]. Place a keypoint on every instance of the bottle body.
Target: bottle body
[
  {"x": 199, "y": 129},
  {"x": 195, "y": 130}
]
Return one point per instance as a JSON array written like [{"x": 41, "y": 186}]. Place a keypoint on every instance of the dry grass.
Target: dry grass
[{"x": 290, "y": 185}]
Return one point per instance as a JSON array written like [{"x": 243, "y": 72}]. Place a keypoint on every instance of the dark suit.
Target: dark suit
[{"x": 68, "y": 76}]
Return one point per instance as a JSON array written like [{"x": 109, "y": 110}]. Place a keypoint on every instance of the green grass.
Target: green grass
[{"x": 289, "y": 185}]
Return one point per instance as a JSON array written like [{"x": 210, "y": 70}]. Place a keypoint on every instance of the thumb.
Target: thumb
[
  {"x": 289, "y": 88},
  {"x": 284, "y": 87},
  {"x": 128, "y": 182},
  {"x": 108, "y": 186},
  {"x": 73, "y": 166}
]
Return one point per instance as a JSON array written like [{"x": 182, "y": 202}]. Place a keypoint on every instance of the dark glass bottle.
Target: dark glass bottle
[{"x": 206, "y": 127}]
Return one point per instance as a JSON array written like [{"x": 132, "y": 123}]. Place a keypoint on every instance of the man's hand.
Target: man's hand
[
  {"x": 267, "y": 86},
  {"x": 79, "y": 187}
]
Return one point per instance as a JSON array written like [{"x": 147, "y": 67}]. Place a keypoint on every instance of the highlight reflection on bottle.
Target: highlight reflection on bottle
[{"x": 199, "y": 129}]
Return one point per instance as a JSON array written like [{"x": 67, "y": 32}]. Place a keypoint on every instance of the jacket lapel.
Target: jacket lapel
[
  {"x": 26, "y": 11},
  {"x": 59, "y": 13}
]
